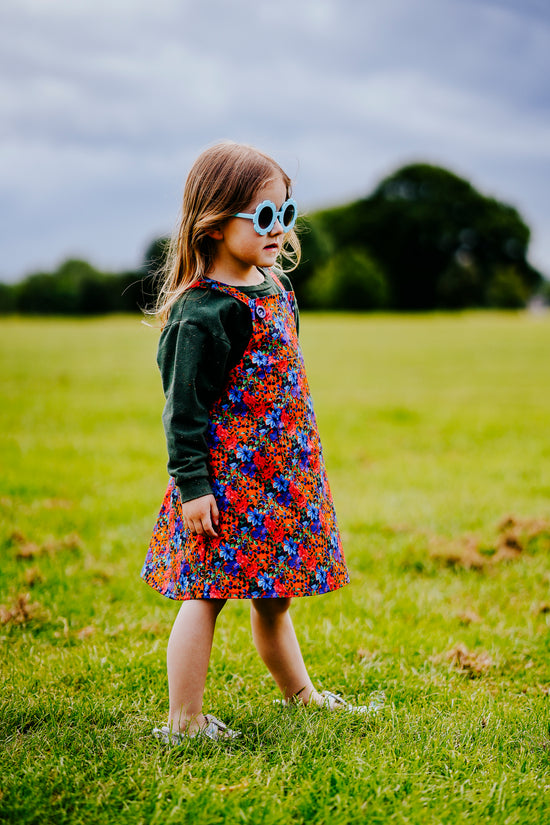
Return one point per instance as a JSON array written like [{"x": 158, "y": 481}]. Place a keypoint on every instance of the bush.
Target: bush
[
  {"x": 316, "y": 250},
  {"x": 544, "y": 293},
  {"x": 350, "y": 279},
  {"x": 7, "y": 298},
  {"x": 506, "y": 290}
]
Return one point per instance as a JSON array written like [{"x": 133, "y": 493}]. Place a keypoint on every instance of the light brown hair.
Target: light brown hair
[{"x": 223, "y": 181}]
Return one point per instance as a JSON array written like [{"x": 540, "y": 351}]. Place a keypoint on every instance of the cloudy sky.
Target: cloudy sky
[{"x": 104, "y": 104}]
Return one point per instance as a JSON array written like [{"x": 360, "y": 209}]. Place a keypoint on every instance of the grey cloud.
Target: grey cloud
[{"x": 107, "y": 103}]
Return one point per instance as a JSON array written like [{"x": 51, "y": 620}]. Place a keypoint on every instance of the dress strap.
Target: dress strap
[
  {"x": 210, "y": 283},
  {"x": 277, "y": 281}
]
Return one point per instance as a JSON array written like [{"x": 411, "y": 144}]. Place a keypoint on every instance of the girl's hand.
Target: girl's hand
[{"x": 201, "y": 516}]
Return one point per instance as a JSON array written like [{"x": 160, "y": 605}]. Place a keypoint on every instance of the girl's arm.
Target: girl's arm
[
  {"x": 195, "y": 369},
  {"x": 197, "y": 349},
  {"x": 193, "y": 366}
]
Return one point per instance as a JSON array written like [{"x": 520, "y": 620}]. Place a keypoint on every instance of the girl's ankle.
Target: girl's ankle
[
  {"x": 314, "y": 698},
  {"x": 188, "y": 726},
  {"x": 303, "y": 696}
]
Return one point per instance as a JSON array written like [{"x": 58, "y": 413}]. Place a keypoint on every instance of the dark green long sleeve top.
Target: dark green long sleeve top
[{"x": 205, "y": 336}]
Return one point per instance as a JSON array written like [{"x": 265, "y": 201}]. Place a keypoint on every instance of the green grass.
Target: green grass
[{"x": 435, "y": 428}]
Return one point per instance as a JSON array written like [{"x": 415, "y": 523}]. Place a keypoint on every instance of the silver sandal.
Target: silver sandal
[
  {"x": 214, "y": 729},
  {"x": 332, "y": 701}
]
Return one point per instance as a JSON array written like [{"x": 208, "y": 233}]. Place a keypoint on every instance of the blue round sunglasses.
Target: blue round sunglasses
[{"x": 266, "y": 215}]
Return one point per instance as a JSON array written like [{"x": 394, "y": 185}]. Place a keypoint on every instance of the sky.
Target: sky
[{"x": 104, "y": 105}]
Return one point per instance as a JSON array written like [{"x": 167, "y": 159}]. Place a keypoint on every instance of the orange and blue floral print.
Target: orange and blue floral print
[{"x": 278, "y": 535}]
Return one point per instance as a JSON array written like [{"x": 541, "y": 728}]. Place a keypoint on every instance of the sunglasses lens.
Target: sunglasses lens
[
  {"x": 265, "y": 217},
  {"x": 289, "y": 215}
]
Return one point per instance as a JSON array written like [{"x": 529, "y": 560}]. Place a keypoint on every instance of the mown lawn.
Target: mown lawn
[{"x": 437, "y": 440}]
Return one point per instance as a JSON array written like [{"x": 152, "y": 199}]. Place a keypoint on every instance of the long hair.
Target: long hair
[{"x": 223, "y": 181}]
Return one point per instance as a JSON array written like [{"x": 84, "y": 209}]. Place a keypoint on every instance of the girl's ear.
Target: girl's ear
[{"x": 216, "y": 234}]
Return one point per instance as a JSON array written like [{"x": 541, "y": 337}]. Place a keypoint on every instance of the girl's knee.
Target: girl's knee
[
  {"x": 270, "y": 607},
  {"x": 217, "y": 605},
  {"x": 201, "y": 607}
]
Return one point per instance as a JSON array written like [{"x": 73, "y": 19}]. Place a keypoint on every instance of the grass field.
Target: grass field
[{"x": 437, "y": 440}]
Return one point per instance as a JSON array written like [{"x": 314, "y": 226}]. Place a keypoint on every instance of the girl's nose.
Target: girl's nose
[{"x": 277, "y": 229}]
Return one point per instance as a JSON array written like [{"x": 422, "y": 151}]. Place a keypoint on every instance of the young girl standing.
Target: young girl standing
[{"x": 248, "y": 512}]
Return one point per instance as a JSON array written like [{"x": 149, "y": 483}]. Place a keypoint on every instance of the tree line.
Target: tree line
[
  {"x": 423, "y": 239},
  {"x": 77, "y": 288}
]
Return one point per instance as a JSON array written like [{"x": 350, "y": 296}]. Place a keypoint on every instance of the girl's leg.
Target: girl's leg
[
  {"x": 276, "y": 642},
  {"x": 187, "y": 657}
]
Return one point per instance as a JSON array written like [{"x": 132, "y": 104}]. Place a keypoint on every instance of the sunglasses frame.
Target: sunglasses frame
[{"x": 277, "y": 215}]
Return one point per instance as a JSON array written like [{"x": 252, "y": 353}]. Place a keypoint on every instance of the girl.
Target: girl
[{"x": 248, "y": 512}]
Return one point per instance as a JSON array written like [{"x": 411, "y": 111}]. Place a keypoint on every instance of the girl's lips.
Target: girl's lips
[{"x": 272, "y": 246}]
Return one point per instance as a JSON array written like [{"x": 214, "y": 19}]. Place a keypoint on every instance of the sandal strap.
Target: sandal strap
[
  {"x": 333, "y": 699},
  {"x": 215, "y": 729},
  {"x": 213, "y": 721}
]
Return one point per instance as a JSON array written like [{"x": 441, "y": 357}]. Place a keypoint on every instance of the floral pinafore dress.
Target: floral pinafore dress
[{"x": 278, "y": 535}]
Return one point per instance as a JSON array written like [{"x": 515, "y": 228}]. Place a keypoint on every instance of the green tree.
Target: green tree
[{"x": 439, "y": 241}]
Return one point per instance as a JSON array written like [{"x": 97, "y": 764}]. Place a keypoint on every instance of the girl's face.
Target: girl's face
[{"x": 240, "y": 247}]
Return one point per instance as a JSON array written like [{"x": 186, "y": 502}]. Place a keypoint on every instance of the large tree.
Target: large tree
[{"x": 439, "y": 241}]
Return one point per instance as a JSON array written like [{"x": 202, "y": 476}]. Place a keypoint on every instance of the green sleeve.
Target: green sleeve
[{"x": 197, "y": 349}]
